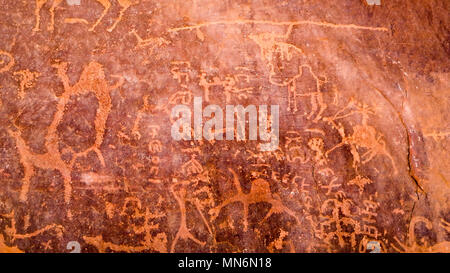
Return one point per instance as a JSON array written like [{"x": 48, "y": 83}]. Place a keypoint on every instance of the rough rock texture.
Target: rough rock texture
[{"x": 87, "y": 161}]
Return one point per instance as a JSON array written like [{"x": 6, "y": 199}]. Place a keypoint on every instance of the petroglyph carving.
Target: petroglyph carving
[
  {"x": 295, "y": 148},
  {"x": 37, "y": 13},
  {"x": 182, "y": 196},
  {"x": 11, "y": 231},
  {"x": 180, "y": 72},
  {"x": 360, "y": 182},
  {"x": 274, "y": 23},
  {"x": 259, "y": 192},
  {"x": 7, "y": 249},
  {"x": 5, "y": 65},
  {"x": 317, "y": 145},
  {"x": 124, "y": 5},
  {"x": 229, "y": 85},
  {"x": 438, "y": 135},
  {"x": 92, "y": 80},
  {"x": 446, "y": 225},
  {"x": 287, "y": 66},
  {"x": 364, "y": 136},
  {"x": 274, "y": 51},
  {"x": 152, "y": 42},
  {"x": 281, "y": 242},
  {"x": 133, "y": 212},
  {"x": 411, "y": 244},
  {"x": 87, "y": 161},
  {"x": 192, "y": 167},
  {"x": 26, "y": 80},
  {"x": 339, "y": 215},
  {"x": 106, "y": 4}
]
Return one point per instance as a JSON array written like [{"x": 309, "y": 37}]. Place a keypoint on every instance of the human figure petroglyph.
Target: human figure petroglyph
[
  {"x": 259, "y": 192},
  {"x": 364, "y": 136},
  {"x": 275, "y": 50},
  {"x": 208, "y": 82},
  {"x": 180, "y": 192}
]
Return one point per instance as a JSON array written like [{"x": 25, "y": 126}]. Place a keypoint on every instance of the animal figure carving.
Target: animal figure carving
[
  {"x": 92, "y": 79},
  {"x": 259, "y": 192},
  {"x": 287, "y": 66}
]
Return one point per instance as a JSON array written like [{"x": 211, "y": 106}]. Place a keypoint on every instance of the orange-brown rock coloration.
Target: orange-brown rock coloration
[{"x": 87, "y": 161}]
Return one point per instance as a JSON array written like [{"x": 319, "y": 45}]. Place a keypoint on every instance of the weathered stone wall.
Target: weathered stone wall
[{"x": 86, "y": 154}]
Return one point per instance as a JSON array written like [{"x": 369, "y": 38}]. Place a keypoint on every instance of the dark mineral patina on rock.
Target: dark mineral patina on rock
[{"x": 87, "y": 161}]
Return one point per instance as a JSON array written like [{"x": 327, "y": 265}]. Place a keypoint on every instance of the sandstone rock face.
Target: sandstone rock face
[{"x": 88, "y": 163}]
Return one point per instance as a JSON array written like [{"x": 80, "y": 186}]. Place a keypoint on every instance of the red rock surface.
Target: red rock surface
[{"x": 87, "y": 159}]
